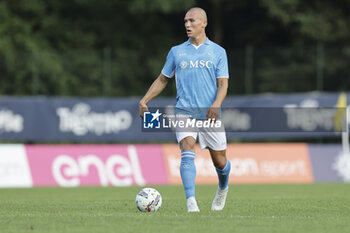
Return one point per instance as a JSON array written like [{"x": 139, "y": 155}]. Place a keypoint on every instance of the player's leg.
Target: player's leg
[
  {"x": 187, "y": 167},
  {"x": 223, "y": 168},
  {"x": 216, "y": 143},
  {"x": 187, "y": 143}
]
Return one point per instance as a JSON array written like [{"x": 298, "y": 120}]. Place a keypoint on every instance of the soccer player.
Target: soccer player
[{"x": 201, "y": 72}]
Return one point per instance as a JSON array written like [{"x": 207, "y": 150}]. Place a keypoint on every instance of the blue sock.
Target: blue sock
[
  {"x": 224, "y": 174},
  {"x": 188, "y": 172}
]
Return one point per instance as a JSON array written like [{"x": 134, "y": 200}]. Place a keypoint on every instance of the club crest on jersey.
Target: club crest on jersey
[{"x": 183, "y": 64}]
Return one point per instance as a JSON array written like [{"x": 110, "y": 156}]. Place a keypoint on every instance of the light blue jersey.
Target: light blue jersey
[{"x": 196, "y": 71}]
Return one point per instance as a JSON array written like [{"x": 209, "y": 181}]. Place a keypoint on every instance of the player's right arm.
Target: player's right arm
[{"x": 155, "y": 89}]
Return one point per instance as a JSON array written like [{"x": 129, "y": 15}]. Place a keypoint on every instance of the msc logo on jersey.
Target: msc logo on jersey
[
  {"x": 197, "y": 64},
  {"x": 152, "y": 120}
]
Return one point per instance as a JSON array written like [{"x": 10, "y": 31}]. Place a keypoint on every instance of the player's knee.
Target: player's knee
[
  {"x": 219, "y": 160},
  {"x": 220, "y": 163},
  {"x": 186, "y": 146},
  {"x": 187, "y": 143}
]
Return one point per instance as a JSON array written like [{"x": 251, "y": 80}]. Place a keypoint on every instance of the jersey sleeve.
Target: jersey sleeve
[
  {"x": 169, "y": 66},
  {"x": 222, "y": 66}
]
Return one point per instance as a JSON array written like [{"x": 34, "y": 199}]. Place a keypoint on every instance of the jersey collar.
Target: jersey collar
[{"x": 206, "y": 42}]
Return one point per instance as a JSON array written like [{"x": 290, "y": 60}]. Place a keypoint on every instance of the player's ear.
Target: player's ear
[{"x": 204, "y": 24}]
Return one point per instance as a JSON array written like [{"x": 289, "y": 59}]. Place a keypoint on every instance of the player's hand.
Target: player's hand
[
  {"x": 142, "y": 108},
  {"x": 213, "y": 113}
]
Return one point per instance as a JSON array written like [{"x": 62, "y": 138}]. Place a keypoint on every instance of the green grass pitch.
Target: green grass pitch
[{"x": 249, "y": 208}]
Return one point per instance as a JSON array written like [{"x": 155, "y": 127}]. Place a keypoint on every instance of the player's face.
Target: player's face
[{"x": 194, "y": 24}]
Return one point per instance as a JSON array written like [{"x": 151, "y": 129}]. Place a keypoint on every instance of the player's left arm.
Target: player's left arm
[{"x": 213, "y": 111}]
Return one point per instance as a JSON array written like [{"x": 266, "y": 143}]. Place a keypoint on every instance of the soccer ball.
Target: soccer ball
[{"x": 148, "y": 200}]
